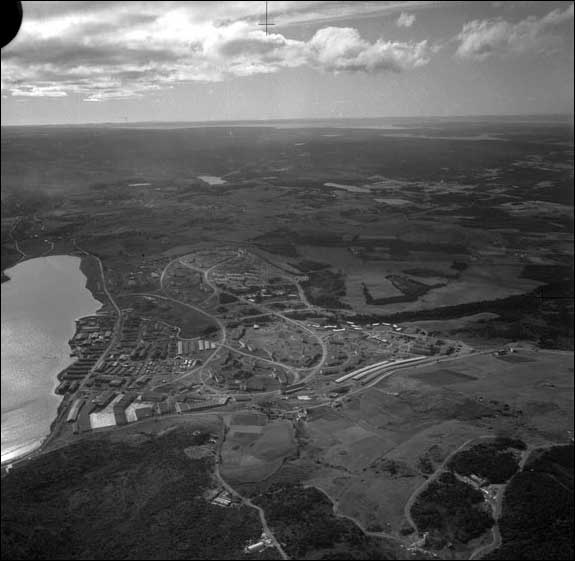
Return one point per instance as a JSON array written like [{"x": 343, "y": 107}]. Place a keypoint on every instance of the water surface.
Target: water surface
[{"x": 40, "y": 304}]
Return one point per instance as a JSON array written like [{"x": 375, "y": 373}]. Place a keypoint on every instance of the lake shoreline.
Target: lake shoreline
[{"x": 89, "y": 269}]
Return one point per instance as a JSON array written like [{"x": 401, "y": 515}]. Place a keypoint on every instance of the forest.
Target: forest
[
  {"x": 537, "y": 518},
  {"x": 304, "y": 521},
  {"x": 488, "y": 460},
  {"x": 452, "y": 511},
  {"x": 119, "y": 500}
]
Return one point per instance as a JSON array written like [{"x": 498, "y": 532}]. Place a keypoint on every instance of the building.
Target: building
[
  {"x": 74, "y": 410},
  {"x": 144, "y": 413},
  {"x": 105, "y": 417},
  {"x": 104, "y": 398},
  {"x": 120, "y": 408},
  {"x": 163, "y": 408},
  {"x": 153, "y": 396},
  {"x": 138, "y": 410},
  {"x": 254, "y": 547}
]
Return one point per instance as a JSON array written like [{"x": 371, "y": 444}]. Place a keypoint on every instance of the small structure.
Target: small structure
[
  {"x": 254, "y": 547},
  {"x": 74, "y": 410}
]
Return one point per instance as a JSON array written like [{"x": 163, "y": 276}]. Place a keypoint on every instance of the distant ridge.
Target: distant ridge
[{"x": 359, "y": 122}]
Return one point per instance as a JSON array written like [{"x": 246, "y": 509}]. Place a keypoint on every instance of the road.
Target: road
[
  {"x": 221, "y": 326},
  {"x": 495, "y": 533},
  {"x": 436, "y": 474},
  {"x": 243, "y": 499},
  {"x": 117, "y": 326},
  {"x": 216, "y": 290},
  {"x": 22, "y": 254}
]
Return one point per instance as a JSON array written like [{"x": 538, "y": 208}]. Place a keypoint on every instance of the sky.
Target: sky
[{"x": 90, "y": 62}]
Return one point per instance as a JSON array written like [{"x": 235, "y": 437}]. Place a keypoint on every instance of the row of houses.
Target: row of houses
[{"x": 187, "y": 346}]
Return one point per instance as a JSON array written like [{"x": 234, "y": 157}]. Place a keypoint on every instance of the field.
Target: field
[
  {"x": 443, "y": 377},
  {"x": 190, "y": 322},
  {"x": 254, "y": 449},
  {"x": 375, "y": 451}
]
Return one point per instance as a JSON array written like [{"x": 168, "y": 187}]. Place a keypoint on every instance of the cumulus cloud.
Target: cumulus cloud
[
  {"x": 480, "y": 39},
  {"x": 129, "y": 50},
  {"x": 343, "y": 49},
  {"x": 405, "y": 20}
]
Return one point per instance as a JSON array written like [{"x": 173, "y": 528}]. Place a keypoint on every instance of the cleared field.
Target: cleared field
[
  {"x": 514, "y": 358},
  {"x": 538, "y": 391},
  {"x": 377, "y": 284},
  {"x": 245, "y": 429},
  {"x": 190, "y": 322},
  {"x": 377, "y": 501},
  {"x": 247, "y": 419},
  {"x": 376, "y": 450},
  {"x": 254, "y": 452},
  {"x": 443, "y": 377}
]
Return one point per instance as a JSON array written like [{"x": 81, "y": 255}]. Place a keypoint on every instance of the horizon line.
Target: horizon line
[{"x": 571, "y": 116}]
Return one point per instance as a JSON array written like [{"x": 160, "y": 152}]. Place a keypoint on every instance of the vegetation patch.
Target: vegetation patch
[
  {"x": 112, "y": 500},
  {"x": 452, "y": 511},
  {"x": 490, "y": 461},
  {"x": 537, "y": 519},
  {"x": 304, "y": 521},
  {"x": 325, "y": 288}
]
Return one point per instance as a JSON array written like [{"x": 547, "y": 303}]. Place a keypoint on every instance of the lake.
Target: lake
[{"x": 40, "y": 304}]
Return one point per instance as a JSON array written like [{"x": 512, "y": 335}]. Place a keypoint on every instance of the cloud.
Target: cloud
[
  {"x": 405, "y": 20},
  {"x": 130, "y": 49},
  {"x": 343, "y": 49},
  {"x": 481, "y": 39}
]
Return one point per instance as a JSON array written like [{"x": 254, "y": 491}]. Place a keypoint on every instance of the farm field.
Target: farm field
[
  {"x": 378, "y": 448},
  {"x": 254, "y": 449}
]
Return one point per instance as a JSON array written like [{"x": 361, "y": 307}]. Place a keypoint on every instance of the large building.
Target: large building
[
  {"x": 105, "y": 417},
  {"x": 138, "y": 410}
]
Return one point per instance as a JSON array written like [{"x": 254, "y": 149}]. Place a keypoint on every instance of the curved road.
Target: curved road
[
  {"x": 216, "y": 290},
  {"x": 433, "y": 477}
]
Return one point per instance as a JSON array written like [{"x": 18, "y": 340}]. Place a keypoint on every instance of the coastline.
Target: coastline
[{"x": 91, "y": 285}]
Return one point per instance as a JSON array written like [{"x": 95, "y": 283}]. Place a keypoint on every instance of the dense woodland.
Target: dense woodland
[
  {"x": 104, "y": 500},
  {"x": 452, "y": 511},
  {"x": 537, "y": 518},
  {"x": 491, "y": 461},
  {"x": 304, "y": 521},
  {"x": 325, "y": 288}
]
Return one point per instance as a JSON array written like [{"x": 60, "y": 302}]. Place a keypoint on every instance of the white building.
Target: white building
[
  {"x": 106, "y": 417},
  {"x": 131, "y": 415}
]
